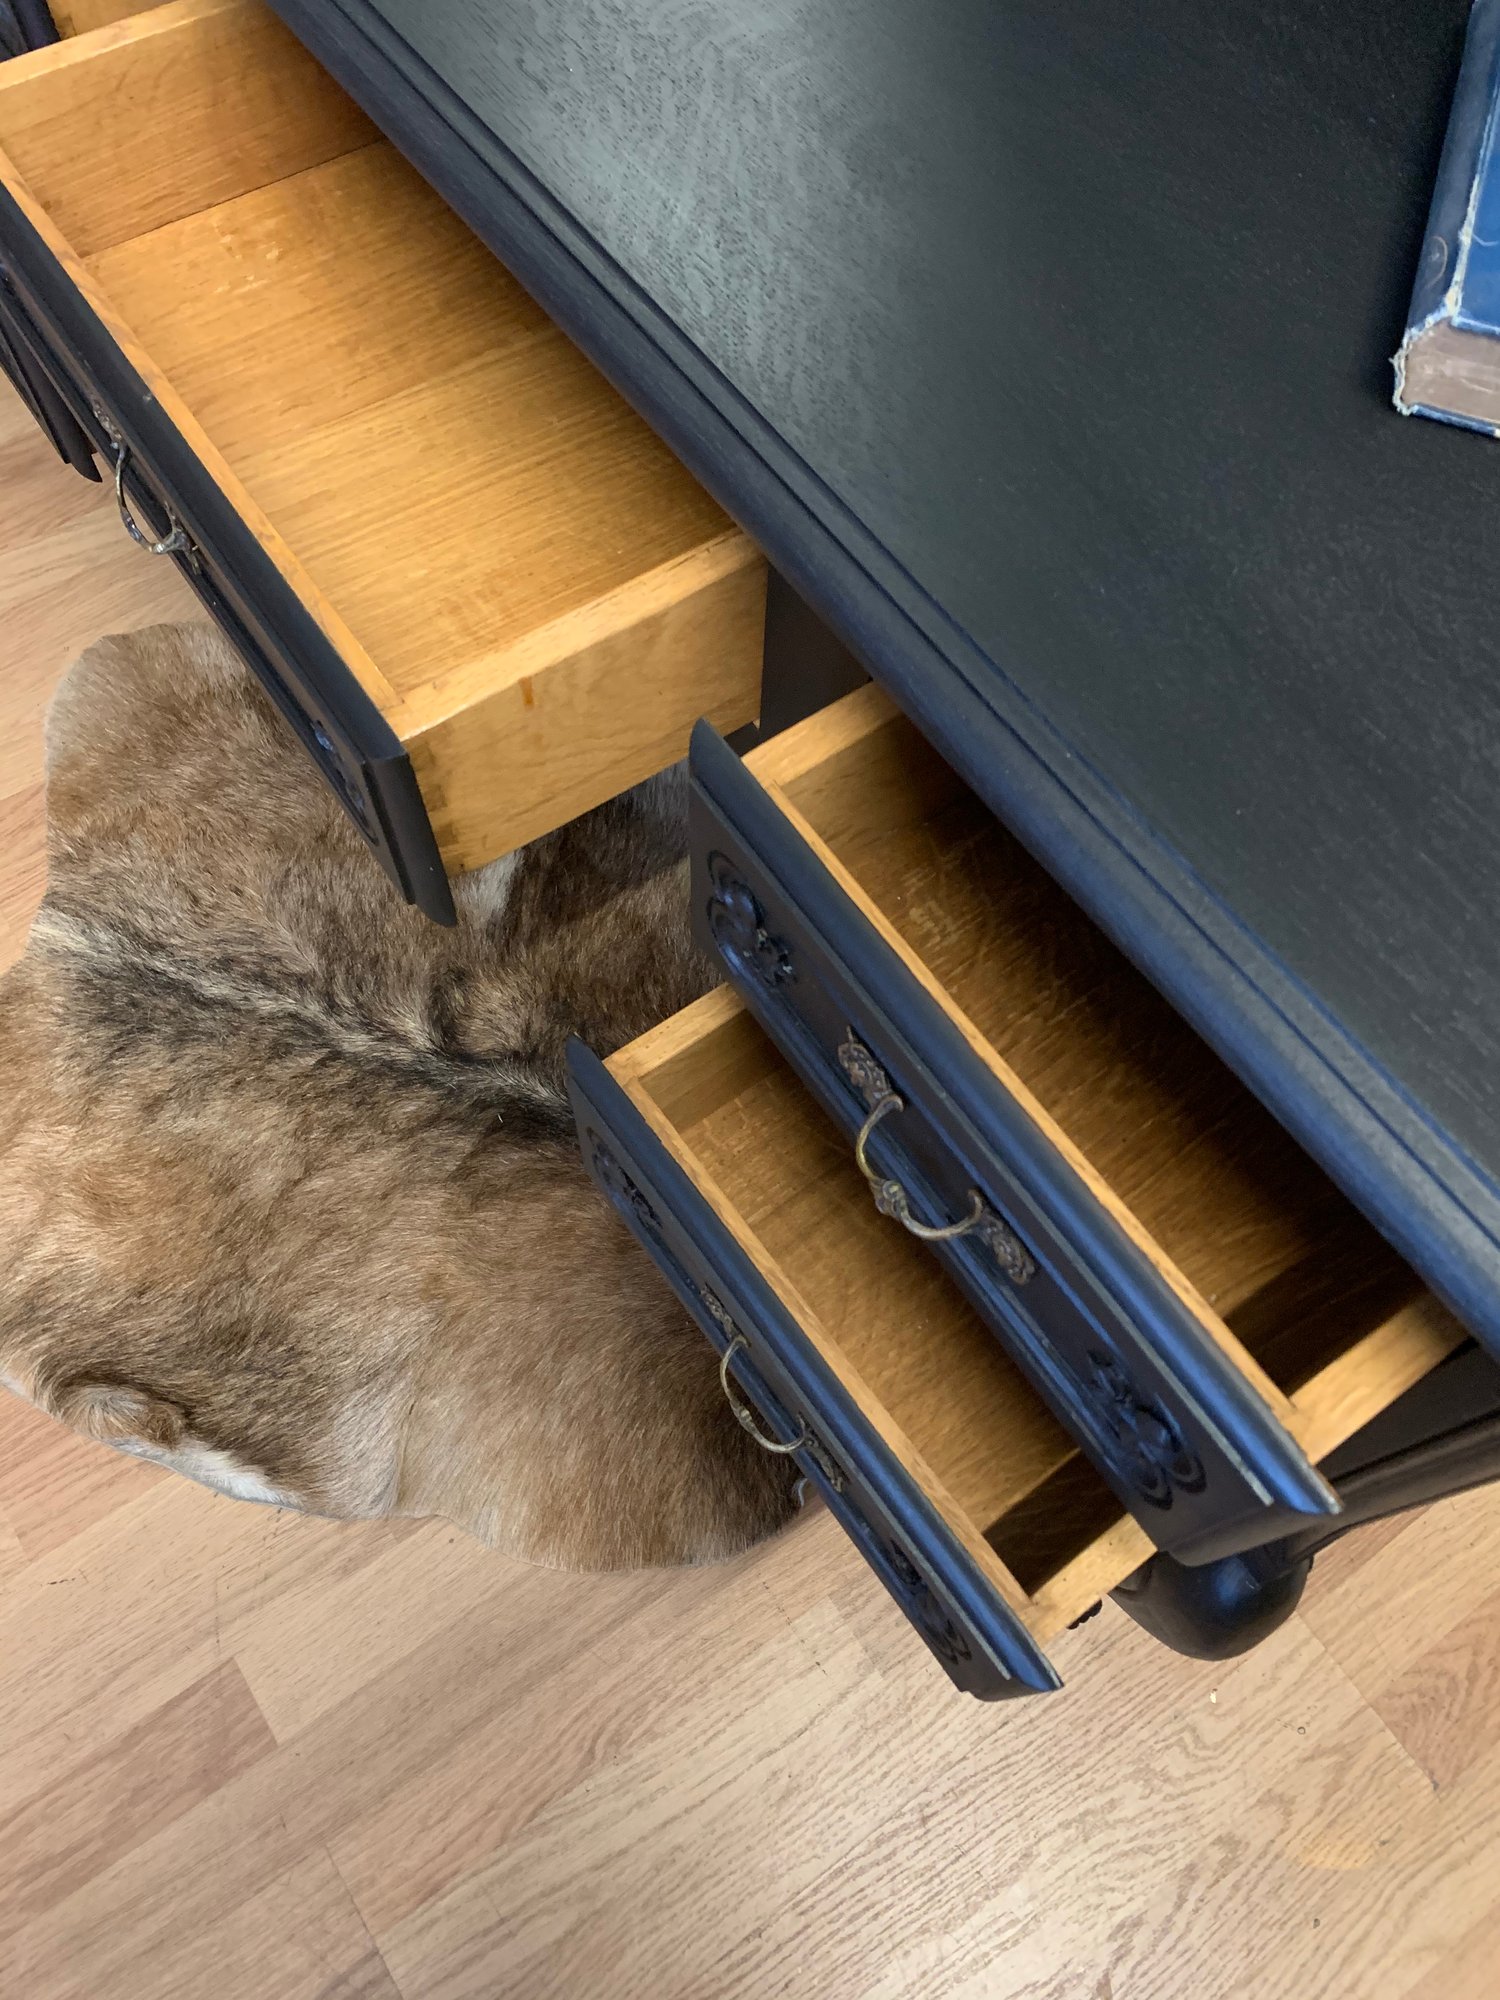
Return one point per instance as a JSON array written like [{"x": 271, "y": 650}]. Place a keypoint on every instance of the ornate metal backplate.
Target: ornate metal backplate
[
  {"x": 867, "y": 1076},
  {"x": 873, "y": 1084},
  {"x": 719, "y": 1313}
]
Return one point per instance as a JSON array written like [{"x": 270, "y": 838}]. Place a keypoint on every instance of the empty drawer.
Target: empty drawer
[
  {"x": 486, "y": 593},
  {"x": 1199, "y": 1305},
  {"x": 975, "y": 1507}
]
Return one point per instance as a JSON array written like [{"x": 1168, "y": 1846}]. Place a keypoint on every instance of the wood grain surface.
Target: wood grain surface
[
  {"x": 215, "y": 98},
  {"x": 880, "y": 1314},
  {"x": 1047, "y": 351},
  {"x": 81, "y": 17},
  {"x": 1283, "y": 1273},
  {"x": 501, "y": 551},
  {"x": 248, "y": 1756},
  {"x": 447, "y": 467}
]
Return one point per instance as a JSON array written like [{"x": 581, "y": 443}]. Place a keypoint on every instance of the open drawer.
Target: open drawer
[
  {"x": 1200, "y": 1306},
  {"x": 985, "y": 1521},
  {"x": 483, "y": 592}
]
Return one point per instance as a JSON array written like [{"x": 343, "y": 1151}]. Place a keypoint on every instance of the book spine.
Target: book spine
[{"x": 1445, "y": 247}]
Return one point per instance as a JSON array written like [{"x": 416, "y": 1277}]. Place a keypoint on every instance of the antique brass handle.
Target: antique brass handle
[
  {"x": 174, "y": 543},
  {"x": 981, "y": 1222},
  {"x": 745, "y": 1417},
  {"x": 892, "y": 1199}
]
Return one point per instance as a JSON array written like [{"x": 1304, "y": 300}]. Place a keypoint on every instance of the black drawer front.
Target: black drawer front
[
  {"x": 174, "y": 500},
  {"x": 25, "y": 25},
  {"x": 1184, "y": 1441},
  {"x": 983, "y": 1646},
  {"x": 37, "y": 391}
]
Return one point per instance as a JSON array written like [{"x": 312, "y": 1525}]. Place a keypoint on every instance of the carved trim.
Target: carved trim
[
  {"x": 737, "y": 924},
  {"x": 927, "y": 1611},
  {"x": 916, "y": 1596},
  {"x": 619, "y": 1187},
  {"x": 1151, "y": 1455}
]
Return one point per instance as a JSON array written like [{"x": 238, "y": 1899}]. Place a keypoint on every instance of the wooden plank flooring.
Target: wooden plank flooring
[{"x": 246, "y": 1756}]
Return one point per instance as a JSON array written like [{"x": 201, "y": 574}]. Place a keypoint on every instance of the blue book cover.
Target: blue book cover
[{"x": 1448, "y": 365}]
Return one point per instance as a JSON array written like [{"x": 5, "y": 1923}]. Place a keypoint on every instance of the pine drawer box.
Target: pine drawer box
[
  {"x": 1150, "y": 1315},
  {"x": 1197, "y": 1302},
  {"x": 478, "y": 587},
  {"x": 841, "y": 1339}
]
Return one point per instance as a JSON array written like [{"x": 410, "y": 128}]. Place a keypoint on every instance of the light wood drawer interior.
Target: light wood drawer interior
[
  {"x": 81, "y": 17},
  {"x": 886, "y": 1318},
  {"x": 1310, "y": 1301},
  {"x": 923, "y": 1367},
  {"x": 536, "y": 594}
]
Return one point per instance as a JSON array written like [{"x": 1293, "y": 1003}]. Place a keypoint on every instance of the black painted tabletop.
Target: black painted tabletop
[{"x": 1084, "y": 312}]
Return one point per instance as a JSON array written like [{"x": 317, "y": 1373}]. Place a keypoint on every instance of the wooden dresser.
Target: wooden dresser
[{"x": 1045, "y": 1299}]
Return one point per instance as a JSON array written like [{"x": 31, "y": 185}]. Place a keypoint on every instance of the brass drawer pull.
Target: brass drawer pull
[
  {"x": 174, "y": 543},
  {"x": 802, "y": 1442},
  {"x": 867, "y": 1076},
  {"x": 892, "y": 1199}
]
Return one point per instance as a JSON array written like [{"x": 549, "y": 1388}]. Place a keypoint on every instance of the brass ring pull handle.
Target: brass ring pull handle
[
  {"x": 892, "y": 1199},
  {"x": 1002, "y": 1242},
  {"x": 174, "y": 543},
  {"x": 743, "y": 1415}
]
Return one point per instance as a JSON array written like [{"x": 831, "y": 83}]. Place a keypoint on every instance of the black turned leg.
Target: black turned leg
[
  {"x": 1220, "y": 1609},
  {"x": 1440, "y": 1438}
]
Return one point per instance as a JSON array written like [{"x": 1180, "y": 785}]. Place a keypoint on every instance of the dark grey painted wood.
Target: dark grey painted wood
[
  {"x": 34, "y": 386},
  {"x": 25, "y": 24},
  {"x": 1047, "y": 350},
  {"x": 805, "y": 668},
  {"x": 1086, "y": 313}
]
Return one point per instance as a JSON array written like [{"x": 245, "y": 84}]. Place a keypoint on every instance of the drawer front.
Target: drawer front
[
  {"x": 174, "y": 502},
  {"x": 1188, "y": 1445},
  {"x": 24, "y": 25},
  {"x": 982, "y": 1644},
  {"x": 37, "y": 391}
]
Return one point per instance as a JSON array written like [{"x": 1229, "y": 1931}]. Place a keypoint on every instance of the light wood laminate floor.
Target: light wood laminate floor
[{"x": 247, "y": 1756}]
